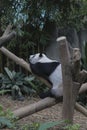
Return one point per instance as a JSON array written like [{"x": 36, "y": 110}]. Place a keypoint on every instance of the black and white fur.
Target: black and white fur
[{"x": 48, "y": 69}]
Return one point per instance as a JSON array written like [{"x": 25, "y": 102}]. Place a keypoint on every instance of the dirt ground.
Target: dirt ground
[{"x": 53, "y": 113}]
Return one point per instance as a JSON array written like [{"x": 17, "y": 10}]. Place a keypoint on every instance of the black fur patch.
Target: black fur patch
[
  {"x": 49, "y": 94},
  {"x": 44, "y": 69},
  {"x": 46, "y": 94}
]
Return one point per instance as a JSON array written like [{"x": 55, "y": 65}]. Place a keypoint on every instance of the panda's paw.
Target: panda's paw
[
  {"x": 59, "y": 99},
  {"x": 46, "y": 94}
]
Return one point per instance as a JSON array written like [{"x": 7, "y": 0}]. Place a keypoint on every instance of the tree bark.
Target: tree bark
[
  {"x": 68, "y": 104},
  {"x": 7, "y": 35},
  {"x": 72, "y": 77}
]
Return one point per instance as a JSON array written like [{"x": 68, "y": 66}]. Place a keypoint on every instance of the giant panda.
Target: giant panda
[{"x": 50, "y": 70}]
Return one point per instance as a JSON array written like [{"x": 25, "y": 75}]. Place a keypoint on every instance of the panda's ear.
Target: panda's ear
[{"x": 40, "y": 55}]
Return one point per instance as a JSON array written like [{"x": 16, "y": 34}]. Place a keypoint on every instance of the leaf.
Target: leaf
[
  {"x": 28, "y": 90},
  {"x": 5, "y": 121},
  {"x": 47, "y": 125},
  {"x": 4, "y": 91},
  {"x": 9, "y": 73},
  {"x": 19, "y": 83},
  {"x": 28, "y": 79},
  {"x": 8, "y": 86},
  {"x": 13, "y": 73}
]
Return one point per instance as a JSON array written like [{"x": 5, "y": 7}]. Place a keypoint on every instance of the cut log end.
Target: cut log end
[{"x": 60, "y": 39}]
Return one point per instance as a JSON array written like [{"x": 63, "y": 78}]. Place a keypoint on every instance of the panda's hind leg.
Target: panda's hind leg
[{"x": 57, "y": 91}]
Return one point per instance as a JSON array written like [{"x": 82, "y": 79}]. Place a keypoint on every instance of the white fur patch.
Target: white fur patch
[
  {"x": 56, "y": 79},
  {"x": 56, "y": 76},
  {"x": 36, "y": 58},
  {"x": 57, "y": 91}
]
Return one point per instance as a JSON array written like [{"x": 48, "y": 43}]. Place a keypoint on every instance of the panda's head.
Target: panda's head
[{"x": 39, "y": 57}]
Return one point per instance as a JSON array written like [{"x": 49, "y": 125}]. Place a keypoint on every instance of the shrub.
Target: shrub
[{"x": 16, "y": 83}]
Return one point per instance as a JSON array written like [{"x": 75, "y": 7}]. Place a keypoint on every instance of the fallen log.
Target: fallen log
[
  {"x": 81, "y": 109},
  {"x": 43, "y": 104},
  {"x": 35, "y": 107}
]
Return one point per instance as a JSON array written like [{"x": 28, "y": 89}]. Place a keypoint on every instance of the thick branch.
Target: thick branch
[
  {"x": 8, "y": 34},
  {"x": 20, "y": 62}
]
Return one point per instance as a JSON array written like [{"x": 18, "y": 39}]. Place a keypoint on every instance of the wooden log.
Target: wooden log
[
  {"x": 81, "y": 109},
  {"x": 40, "y": 105},
  {"x": 68, "y": 106},
  {"x": 83, "y": 88},
  {"x": 16, "y": 59},
  {"x": 35, "y": 107}
]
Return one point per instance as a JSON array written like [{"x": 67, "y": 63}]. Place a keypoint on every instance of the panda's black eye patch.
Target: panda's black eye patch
[
  {"x": 33, "y": 56},
  {"x": 40, "y": 55}
]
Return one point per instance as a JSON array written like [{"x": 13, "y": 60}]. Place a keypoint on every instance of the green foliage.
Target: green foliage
[
  {"x": 47, "y": 125},
  {"x": 7, "y": 118},
  {"x": 74, "y": 15},
  {"x": 31, "y": 18},
  {"x": 33, "y": 126},
  {"x": 7, "y": 113},
  {"x": 72, "y": 127},
  {"x": 2, "y": 92},
  {"x": 17, "y": 83},
  {"x": 5, "y": 122},
  {"x": 40, "y": 126}
]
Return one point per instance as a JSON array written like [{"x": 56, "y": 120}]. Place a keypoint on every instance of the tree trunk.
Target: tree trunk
[{"x": 69, "y": 96}]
